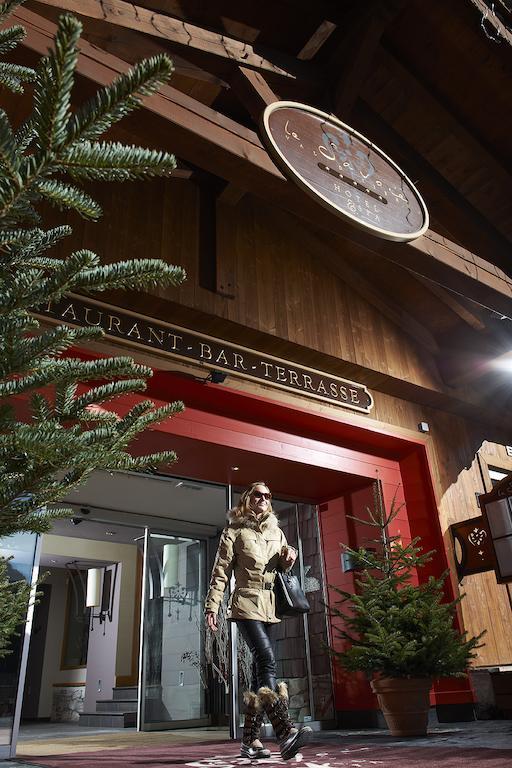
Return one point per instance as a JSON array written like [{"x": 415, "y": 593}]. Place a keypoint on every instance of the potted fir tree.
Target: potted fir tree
[{"x": 401, "y": 634}]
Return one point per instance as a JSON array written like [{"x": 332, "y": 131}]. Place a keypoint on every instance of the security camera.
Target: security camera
[{"x": 216, "y": 377}]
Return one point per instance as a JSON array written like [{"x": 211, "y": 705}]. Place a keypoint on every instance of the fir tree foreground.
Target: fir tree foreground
[
  {"x": 66, "y": 434},
  {"x": 394, "y": 627}
]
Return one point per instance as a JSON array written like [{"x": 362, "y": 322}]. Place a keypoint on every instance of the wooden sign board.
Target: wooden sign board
[
  {"x": 214, "y": 354},
  {"x": 344, "y": 171},
  {"x": 474, "y": 553}
]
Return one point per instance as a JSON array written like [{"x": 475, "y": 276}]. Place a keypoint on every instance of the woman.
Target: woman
[{"x": 253, "y": 547}]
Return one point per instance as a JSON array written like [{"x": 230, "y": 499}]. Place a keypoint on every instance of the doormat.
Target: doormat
[{"x": 316, "y": 755}]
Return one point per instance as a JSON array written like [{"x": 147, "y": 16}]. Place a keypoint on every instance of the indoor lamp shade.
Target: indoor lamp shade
[
  {"x": 93, "y": 597},
  {"x": 170, "y": 565}
]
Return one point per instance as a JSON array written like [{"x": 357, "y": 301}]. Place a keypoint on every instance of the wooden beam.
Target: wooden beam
[
  {"x": 464, "y": 367},
  {"x": 316, "y": 41},
  {"x": 231, "y": 195},
  {"x": 395, "y": 94},
  {"x": 489, "y": 17},
  {"x": 446, "y": 204},
  {"x": 473, "y": 277},
  {"x": 226, "y": 284},
  {"x": 353, "y": 57},
  {"x": 255, "y": 94},
  {"x": 205, "y": 138},
  {"x": 325, "y": 250},
  {"x": 253, "y": 91},
  {"x": 470, "y": 318},
  {"x": 181, "y": 171},
  {"x": 130, "y": 45},
  {"x": 125, "y": 14}
]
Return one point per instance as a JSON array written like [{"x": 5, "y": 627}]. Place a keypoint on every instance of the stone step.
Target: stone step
[
  {"x": 116, "y": 705},
  {"x": 125, "y": 693},
  {"x": 108, "y": 719}
]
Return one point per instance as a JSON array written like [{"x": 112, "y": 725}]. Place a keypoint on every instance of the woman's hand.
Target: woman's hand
[
  {"x": 211, "y": 621},
  {"x": 288, "y": 557}
]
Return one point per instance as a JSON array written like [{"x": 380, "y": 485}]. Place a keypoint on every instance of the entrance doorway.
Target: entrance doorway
[
  {"x": 173, "y": 676},
  {"x": 315, "y": 476},
  {"x": 83, "y": 665},
  {"x": 152, "y": 539}
]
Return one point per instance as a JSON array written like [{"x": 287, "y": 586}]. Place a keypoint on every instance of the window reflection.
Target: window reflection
[{"x": 20, "y": 547}]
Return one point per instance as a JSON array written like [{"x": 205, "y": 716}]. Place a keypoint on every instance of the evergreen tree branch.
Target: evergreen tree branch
[
  {"x": 35, "y": 350},
  {"x": 113, "y": 102},
  {"x": 31, "y": 242},
  {"x": 53, "y": 85},
  {"x": 10, "y": 38},
  {"x": 7, "y": 7},
  {"x": 131, "y": 274},
  {"x": 66, "y": 434},
  {"x": 65, "y": 196},
  {"x": 60, "y": 371},
  {"x": 112, "y": 161},
  {"x": 8, "y": 152},
  {"x": 14, "y": 599}
]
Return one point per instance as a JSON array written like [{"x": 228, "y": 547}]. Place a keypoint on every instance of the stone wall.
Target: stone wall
[{"x": 67, "y": 703}]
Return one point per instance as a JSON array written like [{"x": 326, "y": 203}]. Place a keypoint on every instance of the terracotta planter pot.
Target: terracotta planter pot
[{"x": 404, "y": 703}]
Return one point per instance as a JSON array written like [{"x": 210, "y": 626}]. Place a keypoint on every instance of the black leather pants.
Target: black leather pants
[{"x": 261, "y": 639}]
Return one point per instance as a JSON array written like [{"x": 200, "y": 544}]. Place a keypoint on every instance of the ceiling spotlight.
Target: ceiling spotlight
[
  {"x": 110, "y": 533},
  {"x": 235, "y": 469},
  {"x": 53, "y": 561},
  {"x": 76, "y": 520},
  {"x": 216, "y": 377}
]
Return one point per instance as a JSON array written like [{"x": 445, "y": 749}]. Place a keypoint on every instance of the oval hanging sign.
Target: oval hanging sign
[{"x": 344, "y": 171}]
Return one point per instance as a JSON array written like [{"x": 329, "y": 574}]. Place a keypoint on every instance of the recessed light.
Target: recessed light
[
  {"x": 235, "y": 469},
  {"x": 53, "y": 561},
  {"x": 110, "y": 533}
]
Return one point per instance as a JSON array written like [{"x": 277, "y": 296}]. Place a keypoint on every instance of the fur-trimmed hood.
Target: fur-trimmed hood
[{"x": 249, "y": 520}]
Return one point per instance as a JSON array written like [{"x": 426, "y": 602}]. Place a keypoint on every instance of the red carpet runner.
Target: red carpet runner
[{"x": 226, "y": 755}]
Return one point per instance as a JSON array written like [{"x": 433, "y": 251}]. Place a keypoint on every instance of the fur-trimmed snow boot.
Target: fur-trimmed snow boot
[
  {"x": 251, "y": 745},
  {"x": 275, "y": 704}
]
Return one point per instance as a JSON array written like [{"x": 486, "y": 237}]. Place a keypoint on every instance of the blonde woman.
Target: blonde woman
[{"x": 253, "y": 547}]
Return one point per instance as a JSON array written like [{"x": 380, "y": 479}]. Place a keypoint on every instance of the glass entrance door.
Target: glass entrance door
[
  {"x": 302, "y": 659},
  {"x": 23, "y": 550},
  {"x": 173, "y": 672}
]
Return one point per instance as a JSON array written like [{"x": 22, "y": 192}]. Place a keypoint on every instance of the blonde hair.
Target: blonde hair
[{"x": 242, "y": 508}]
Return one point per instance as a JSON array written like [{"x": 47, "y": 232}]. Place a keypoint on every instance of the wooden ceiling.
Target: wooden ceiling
[{"x": 421, "y": 79}]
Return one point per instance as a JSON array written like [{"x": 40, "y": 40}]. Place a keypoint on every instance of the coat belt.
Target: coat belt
[{"x": 259, "y": 585}]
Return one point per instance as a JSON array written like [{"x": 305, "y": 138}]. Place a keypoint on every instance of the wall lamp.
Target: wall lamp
[{"x": 100, "y": 593}]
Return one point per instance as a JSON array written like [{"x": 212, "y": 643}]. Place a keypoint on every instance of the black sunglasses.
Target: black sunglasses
[{"x": 261, "y": 495}]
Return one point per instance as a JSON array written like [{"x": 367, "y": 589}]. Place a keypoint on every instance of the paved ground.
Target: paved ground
[{"x": 480, "y": 744}]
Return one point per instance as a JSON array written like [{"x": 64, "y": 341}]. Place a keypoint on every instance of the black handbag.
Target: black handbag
[{"x": 290, "y": 599}]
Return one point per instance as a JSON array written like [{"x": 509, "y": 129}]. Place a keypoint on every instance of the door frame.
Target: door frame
[
  {"x": 176, "y": 724},
  {"x": 9, "y": 750}
]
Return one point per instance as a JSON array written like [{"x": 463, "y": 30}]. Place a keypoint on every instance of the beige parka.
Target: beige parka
[{"x": 250, "y": 547}]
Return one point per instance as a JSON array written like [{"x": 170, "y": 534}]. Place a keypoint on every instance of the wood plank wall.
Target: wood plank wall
[
  {"x": 283, "y": 290},
  {"x": 275, "y": 276}
]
